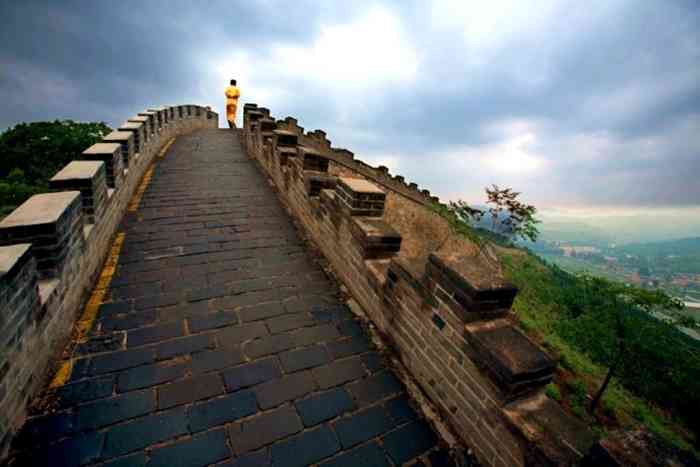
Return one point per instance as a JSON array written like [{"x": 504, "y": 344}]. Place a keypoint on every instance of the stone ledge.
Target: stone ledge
[
  {"x": 554, "y": 438},
  {"x": 376, "y": 237},
  {"x": 516, "y": 363}
]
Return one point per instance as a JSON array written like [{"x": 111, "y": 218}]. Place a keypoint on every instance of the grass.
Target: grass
[{"x": 578, "y": 377}]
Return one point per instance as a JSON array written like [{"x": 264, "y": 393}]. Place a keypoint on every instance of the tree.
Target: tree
[{"x": 613, "y": 314}]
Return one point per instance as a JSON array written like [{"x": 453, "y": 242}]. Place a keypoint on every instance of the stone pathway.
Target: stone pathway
[{"x": 222, "y": 343}]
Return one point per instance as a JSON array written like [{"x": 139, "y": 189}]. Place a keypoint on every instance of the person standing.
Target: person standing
[{"x": 232, "y": 95}]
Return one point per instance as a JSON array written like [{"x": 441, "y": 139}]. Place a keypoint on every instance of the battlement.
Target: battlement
[
  {"x": 441, "y": 302},
  {"x": 53, "y": 246}
]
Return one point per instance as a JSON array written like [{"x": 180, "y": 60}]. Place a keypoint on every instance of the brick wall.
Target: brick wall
[
  {"x": 441, "y": 302},
  {"x": 53, "y": 247}
]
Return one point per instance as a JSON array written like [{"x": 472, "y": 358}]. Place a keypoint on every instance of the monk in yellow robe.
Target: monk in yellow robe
[{"x": 232, "y": 95}]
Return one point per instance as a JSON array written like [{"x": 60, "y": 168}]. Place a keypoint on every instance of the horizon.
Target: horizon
[{"x": 590, "y": 119}]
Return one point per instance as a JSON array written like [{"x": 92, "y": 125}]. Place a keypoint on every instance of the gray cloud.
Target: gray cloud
[{"x": 573, "y": 104}]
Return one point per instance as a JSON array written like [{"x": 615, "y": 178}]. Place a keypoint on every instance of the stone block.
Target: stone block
[
  {"x": 286, "y": 138},
  {"x": 111, "y": 155},
  {"x": 88, "y": 177},
  {"x": 147, "y": 126},
  {"x": 516, "y": 364},
  {"x": 159, "y": 117},
  {"x": 137, "y": 128},
  {"x": 360, "y": 197},
  {"x": 312, "y": 159},
  {"x": 19, "y": 296},
  {"x": 53, "y": 224},
  {"x": 376, "y": 238},
  {"x": 314, "y": 183},
  {"x": 163, "y": 115},
  {"x": 472, "y": 288},
  {"x": 125, "y": 139}
]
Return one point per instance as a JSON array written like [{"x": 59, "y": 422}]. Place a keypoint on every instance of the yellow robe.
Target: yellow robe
[{"x": 232, "y": 95}]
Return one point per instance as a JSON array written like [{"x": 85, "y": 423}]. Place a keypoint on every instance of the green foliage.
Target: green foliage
[
  {"x": 553, "y": 392},
  {"x": 31, "y": 153}
]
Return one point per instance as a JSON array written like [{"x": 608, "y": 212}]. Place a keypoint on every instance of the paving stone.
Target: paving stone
[
  {"x": 71, "y": 452},
  {"x": 306, "y": 448},
  {"x": 130, "y": 321},
  {"x": 351, "y": 329},
  {"x": 400, "y": 410},
  {"x": 100, "y": 344},
  {"x": 156, "y": 301},
  {"x": 42, "y": 429},
  {"x": 368, "y": 455},
  {"x": 329, "y": 314},
  {"x": 373, "y": 361},
  {"x": 128, "y": 437},
  {"x": 252, "y": 434},
  {"x": 363, "y": 426},
  {"x": 83, "y": 391},
  {"x": 115, "y": 409},
  {"x": 114, "y": 308},
  {"x": 277, "y": 391},
  {"x": 260, "y": 312},
  {"x": 150, "y": 375},
  {"x": 236, "y": 334},
  {"x": 133, "y": 460},
  {"x": 184, "y": 345},
  {"x": 374, "y": 388},
  {"x": 252, "y": 373},
  {"x": 121, "y": 360},
  {"x": 222, "y": 410},
  {"x": 148, "y": 335},
  {"x": 295, "y": 360},
  {"x": 409, "y": 441},
  {"x": 200, "y": 450},
  {"x": 316, "y": 334},
  {"x": 324, "y": 406},
  {"x": 338, "y": 372},
  {"x": 347, "y": 347},
  {"x": 189, "y": 390},
  {"x": 215, "y": 320},
  {"x": 288, "y": 322},
  {"x": 211, "y": 360},
  {"x": 269, "y": 345},
  {"x": 252, "y": 459}
]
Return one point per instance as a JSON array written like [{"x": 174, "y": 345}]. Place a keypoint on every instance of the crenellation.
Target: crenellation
[
  {"x": 53, "y": 246},
  {"x": 440, "y": 302}
]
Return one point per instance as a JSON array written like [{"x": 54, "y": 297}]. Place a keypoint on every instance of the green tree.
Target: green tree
[{"x": 31, "y": 153}]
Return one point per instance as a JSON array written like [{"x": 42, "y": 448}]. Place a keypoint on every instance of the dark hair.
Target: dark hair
[{"x": 233, "y": 82}]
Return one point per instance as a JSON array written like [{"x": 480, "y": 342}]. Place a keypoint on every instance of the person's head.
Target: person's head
[{"x": 233, "y": 82}]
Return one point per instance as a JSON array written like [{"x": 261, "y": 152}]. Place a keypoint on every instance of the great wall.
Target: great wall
[{"x": 159, "y": 304}]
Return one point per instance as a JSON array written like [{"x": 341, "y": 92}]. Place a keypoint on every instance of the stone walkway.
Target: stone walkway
[{"x": 222, "y": 342}]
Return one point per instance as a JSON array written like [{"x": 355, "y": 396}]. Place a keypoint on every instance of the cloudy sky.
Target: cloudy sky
[{"x": 576, "y": 104}]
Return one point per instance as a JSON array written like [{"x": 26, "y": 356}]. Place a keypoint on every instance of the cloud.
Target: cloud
[{"x": 573, "y": 104}]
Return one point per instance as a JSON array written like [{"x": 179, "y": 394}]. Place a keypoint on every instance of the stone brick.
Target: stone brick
[
  {"x": 295, "y": 360},
  {"x": 121, "y": 360},
  {"x": 148, "y": 335},
  {"x": 184, "y": 345},
  {"x": 200, "y": 450},
  {"x": 111, "y": 155},
  {"x": 211, "y": 360},
  {"x": 338, "y": 372},
  {"x": 115, "y": 409},
  {"x": 289, "y": 322},
  {"x": 363, "y": 426},
  {"x": 252, "y": 373},
  {"x": 277, "y": 391},
  {"x": 83, "y": 391},
  {"x": 316, "y": 334},
  {"x": 150, "y": 375},
  {"x": 222, "y": 410},
  {"x": 306, "y": 448},
  {"x": 189, "y": 390},
  {"x": 409, "y": 441},
  {"x": 269, "y": 345},
  {"x": 260, "y": 312},
  {"x": 324, "y": 406},
  {"x": 126, "y": 438},
  {"x": 347, "y": 347},
  {"x": 232, "y": 336},
  {"x": 80, "y": 450},
  {"x": 367, "y": 455},
  {"x": 211, "y": 321},
  {"x": 374, "y": 388},
  {"x": 252, "y": 434},
  {"x": 400, "y": 410},
  {"x": 88, "y": 177}
]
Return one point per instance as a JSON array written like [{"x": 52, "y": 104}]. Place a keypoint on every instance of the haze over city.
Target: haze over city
[{"x": 587, "y": 108}]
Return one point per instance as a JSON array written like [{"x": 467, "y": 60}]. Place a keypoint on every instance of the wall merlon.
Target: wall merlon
[
  {"x": 111, "y": 155},
  {"x": 125, "y": 139},
  {"x": 88, "y": 177}
]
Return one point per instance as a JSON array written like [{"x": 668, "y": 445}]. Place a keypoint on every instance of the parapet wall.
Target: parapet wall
[
  {"x": 440, "y": 302},
  {"x": 53, "y": 246}
]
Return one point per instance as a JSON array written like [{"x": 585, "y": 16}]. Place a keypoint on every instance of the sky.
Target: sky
[{"x": 581, "y": 106}]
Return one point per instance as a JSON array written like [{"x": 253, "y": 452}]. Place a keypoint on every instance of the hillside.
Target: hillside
[{"x": 658, "y": 385}]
